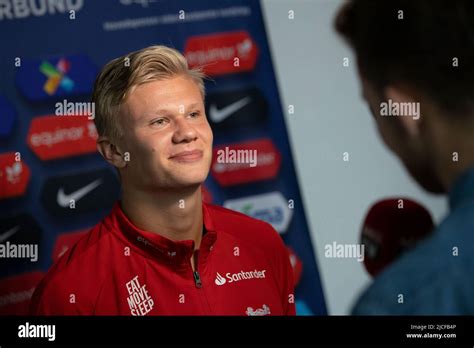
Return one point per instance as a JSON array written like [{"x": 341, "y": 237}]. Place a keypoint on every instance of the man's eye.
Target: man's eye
[
  {"x": 159, "y": 122},
  {"x": 194, "y": 114}
]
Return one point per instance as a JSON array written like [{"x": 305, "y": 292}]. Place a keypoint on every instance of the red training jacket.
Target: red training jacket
[{"x": 243, "y": 268}]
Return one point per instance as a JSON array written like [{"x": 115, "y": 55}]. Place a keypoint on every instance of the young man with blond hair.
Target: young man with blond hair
[{"x": 161, "y": 250}]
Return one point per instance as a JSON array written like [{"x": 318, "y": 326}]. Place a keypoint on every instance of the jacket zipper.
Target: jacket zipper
[
  {"x": 199, "y": 285},
  {"x": 197, "y": 277}
]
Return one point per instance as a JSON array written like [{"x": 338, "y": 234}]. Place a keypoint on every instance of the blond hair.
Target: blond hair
[{"x": 120, "y": 76}]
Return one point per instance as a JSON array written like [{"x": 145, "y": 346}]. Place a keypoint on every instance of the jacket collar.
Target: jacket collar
[{"x": 159, "y": 246}]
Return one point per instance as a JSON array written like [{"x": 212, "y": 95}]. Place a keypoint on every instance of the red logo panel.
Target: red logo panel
[
  {"x": 296, "y": 265},
  {"x": 16, "y": 292},
  {"x": 52, "y": 137},
  {"x": 232, "y": 164},
  {"x": 217, "y": 53},
  {"x": 14, "y": 175},
  {"x": 66, "y": 241}
]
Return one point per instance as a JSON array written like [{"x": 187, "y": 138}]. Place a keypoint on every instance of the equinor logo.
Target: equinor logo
[{"x": 235, "y": 277}]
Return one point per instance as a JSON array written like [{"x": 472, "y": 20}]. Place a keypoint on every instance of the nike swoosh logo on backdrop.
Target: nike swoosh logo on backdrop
[
  {"x": 64, "y": 199},
  {"x": 4, "y": 236},
  {"x": 218, "y": 115}
]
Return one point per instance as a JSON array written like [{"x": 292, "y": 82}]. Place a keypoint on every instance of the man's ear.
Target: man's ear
[
  {"x": 111, "y": 152},
  {"x": 405, "y": 100}
]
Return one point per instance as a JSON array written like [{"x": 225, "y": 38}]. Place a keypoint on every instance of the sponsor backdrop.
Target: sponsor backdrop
[{"x": 54, "y": 186}]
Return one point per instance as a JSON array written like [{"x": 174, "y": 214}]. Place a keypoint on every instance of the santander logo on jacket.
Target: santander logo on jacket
[{"x": 242, "y": 268}]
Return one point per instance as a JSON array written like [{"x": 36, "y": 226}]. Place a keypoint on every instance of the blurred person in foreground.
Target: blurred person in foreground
[{"x": 415, "y": 61}]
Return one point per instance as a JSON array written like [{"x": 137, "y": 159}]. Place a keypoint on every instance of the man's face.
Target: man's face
[
  {"x": 167, "y": 134},
  {"x": 414, "y": 151}
]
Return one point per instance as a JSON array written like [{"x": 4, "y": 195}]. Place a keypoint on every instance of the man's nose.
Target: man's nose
[{"x": 183, "y": 131}]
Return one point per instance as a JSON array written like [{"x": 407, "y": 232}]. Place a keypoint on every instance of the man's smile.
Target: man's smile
[{"x": 187, "y": 156}]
